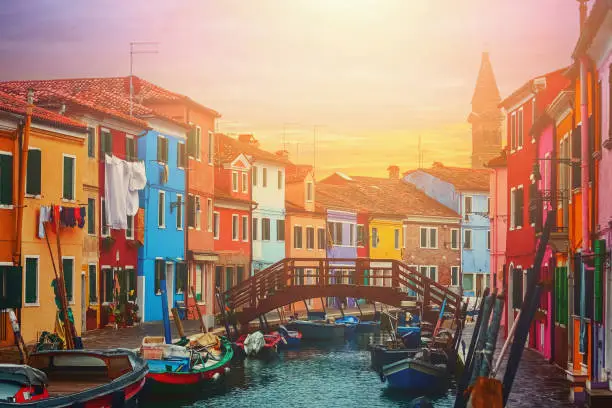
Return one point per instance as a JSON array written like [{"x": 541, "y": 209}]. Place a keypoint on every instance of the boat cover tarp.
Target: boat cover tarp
[
  {"x": 22, "y": 374},
  {"x": 254, "y": 342}
]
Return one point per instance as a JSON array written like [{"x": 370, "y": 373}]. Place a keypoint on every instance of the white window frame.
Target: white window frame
[
  {"x": 428, "y": 244},
  {"x": 73, "y": 278},
  {"x": 314, "y": 237},
  {"x": 280, "y": 182},
  {"x": 245, "y": 228},
  {"x": 309, "y": 192},
  {"x": 10, "y": 206},
  {"x": 198, "y": 143},
  {"x": 133, "y": 232},
  {"x": 435, "y": 269},
  {"x": 217, "y": 226},
  {"x": 254, "y": 175},
  {"x": 178, "y": 149},
  {"x": 74, "y": 198},
  {"x": 264, "y": 177},
  {"x": 519, "y": 130},
  {"x": 465, "y": 211},
  {"x": 236, "y": 232},
  {"x": 211, "y": 148},
  {"x": 37, "y": 303},
  {"x": 37, "y": 196},
  {"x": 324, "y": 239},
  {"x": 301, "y": 237},
  {"x": 97, "y": 284},
  {"x": 455, "y": 230},
  {"x": 533, "y": 117},
  {"x": 209, "y": 213},
  {"x": 235, "y": 181},
  {"x": 160, "y": 136},
  {"x": 513, "y": 132},
  {"x": 244, "y": 176},
  {"x": 197, "y": 208},
  {"x": 102, "y": 211},
  {"x": 471, "y": 238},
  {"x": 488, "y": 240},
  {"x": 458, "y": 268},
  {"x": 179, "y": 220},
  {"x": 397, "y": 238},
  {"x": 161, "y": 202}
]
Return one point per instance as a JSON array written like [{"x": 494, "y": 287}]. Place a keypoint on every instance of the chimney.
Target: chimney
[
  {"x": 583, "y": 13},
  {"x": 393, "y": 172}
]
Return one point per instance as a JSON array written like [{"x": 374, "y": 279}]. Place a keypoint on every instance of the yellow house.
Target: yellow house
[{"x": 386, "y": 238}]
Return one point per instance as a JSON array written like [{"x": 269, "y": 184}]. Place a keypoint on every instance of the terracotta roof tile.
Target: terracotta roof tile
[
  {"x": 297, "y": 172},
  {"x": 224, "y": 195},
  {"x": 463, "y": 178},
  {"x": 14, "y": 104},
  {"x": 229, "y": 148}
]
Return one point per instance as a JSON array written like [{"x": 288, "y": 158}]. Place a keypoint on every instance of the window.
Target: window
[
  {"x": 190, "y": 211},
  {"x": 6, "y": 178},
  {"x": 454, "y": 238},
  {"x": 218, "y": 277},
  {"x": 519, "y": 129},
  {"x": 467, "y": 206},
  {"x": 198, "y": 143},
  {"x": 254, "y": 228},
  {"x": 335, "y": 232},
  {"x": 216, "y": 221},
  {"x": 104, "y": 228},
  {"x": 229, "y": 275},
  {"x": 396, "y": 240},
  {"x": 93, "y": 283},
  {"x": 352, "y": 234},
  {"x": 489, "y": 240},
  {"x": 265, "y": 229},
  {"x": 280, "y": 179},
  {"x": 309, "y": 191},
  {"x": 69, "y": 177},
  {"x": 130, "y": 148},
  {"x": 109, "y": 284},
  {"x": 211, "y": 147},
  {"x": 517, "y": 287},
  {"x": 433, "y": 273},
  {"x": 245, "y": 182},
  {"x": 180, "y": 283},
  {"x": 162, "y": 149},
  {"x": 297, "y": 237},
  {"x": 33, "y": 172},
  {"x": 561, "y": 285},
  {"x": 106, "y": 143},
  {"x": 68, "y": 266},
  {"x": 254, "y": 175},
  {"x": 423, "y": 270},
  {"x": 280, "y": 230},
  {"x": 91, "y": 214},
  {"x": 198, "y": 212},
  {"x": 161, "y": 206},
  {"x": 360, "y": 235},
  {"x": 375, "y": 239},
  {"x": 320, "y": 238},
  {"x": 516, "y": 207},
  {"x": 199, "y": 282},
  {"x": 31, "y": 280},
  {"x": 513, "y": 131},
  {"x": 235, "y": 227},
  {"x": 129, "y": 232},
  {"x": 160, "y": 275},
  {"x": 234, "y": 181},
  {"x": 209, "y": 213},
  {"x": 91, "y": 142},
  {"x": 179, "y": 211},
  {"x": 467, "y": 239},
  {"x": 239, "y": 274},
  {"x": 264, "y": 177},
  {"x": 454, "y": 275},
  {"x": 245, "y": 228},
  {"x": 310, "y": 237},
  {"x": 576, "y": 153},
  {"x": 181, "y": 156},
  {"x": 429, "y": 237},
  {"x": 488, "y": 205}
]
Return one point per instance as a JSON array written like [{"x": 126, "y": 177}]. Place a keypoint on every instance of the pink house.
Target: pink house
[{"x": 498, "y": 211}]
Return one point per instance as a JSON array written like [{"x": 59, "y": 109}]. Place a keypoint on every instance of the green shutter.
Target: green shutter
[
  {"x": 33, "y": 172},
  {"x": 93, "y": 284},
  {"x": 600, "y": 253},
  {"x": 68, "y": 265},
  {"x": 10, "y": 287},
  {"x": 6, "y": 179},
  {"x": 68, "y": 178},
  {"x": 31, "y": 280},
  {"x": 91, "y": 216},
  {"x": 91, "y": 143},
  {"x": 557, "y": 296},
  {"x": 109, "y": 284}
]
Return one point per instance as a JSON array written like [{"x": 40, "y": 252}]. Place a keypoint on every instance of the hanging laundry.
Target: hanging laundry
[
  {"x": 138, "y": 181},
  {"x": 140, "y": 222},
  {"x": 54, "y": 216},
  {"x": 69, "y": 217},
  {"x": 44, "y": 216},
  {"x": 82, "y": 214},
  {"x": 77, "y": 216},
  {"x": 164, "y": 173}
]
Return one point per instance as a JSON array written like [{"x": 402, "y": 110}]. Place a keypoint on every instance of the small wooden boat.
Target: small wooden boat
[
  {"x": 349, "y": 323},
  {"x": 187, "y": 368},
  {"x": 258, "y": 344},
  {"x": 292, "y": 338},
  {"x": 422, "y": 374},
  {"x": 317, "y": 330},
  {"x": 73, "y": 378},
  {"x": 381, "y": 355}
]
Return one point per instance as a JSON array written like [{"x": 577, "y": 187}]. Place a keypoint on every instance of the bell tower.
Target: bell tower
[{"x": 486, "y": 117}]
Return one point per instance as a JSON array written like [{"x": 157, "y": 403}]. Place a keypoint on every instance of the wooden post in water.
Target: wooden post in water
[
  {"x": 178, "y": 323},
  {"x": 203, "y": 327},
  {"x": 489, "y": 349},
  {"x": 482, "y": 336}
]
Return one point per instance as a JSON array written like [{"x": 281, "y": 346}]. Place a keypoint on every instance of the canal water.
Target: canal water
[{"x": 339, "y": 375}]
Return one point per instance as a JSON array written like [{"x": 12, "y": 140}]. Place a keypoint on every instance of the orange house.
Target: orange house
[{"x": 55, "y": 167}]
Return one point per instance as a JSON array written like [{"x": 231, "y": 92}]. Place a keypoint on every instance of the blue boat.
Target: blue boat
[
  {"x": 349, "y": 323},
  {"x": 369, "y": 326},
  {"x": 381, "y": 355},
  {"x": 317, "y": 330},
  {"x": 416, "y": 375},
  {"x": 292, "y": 338}
]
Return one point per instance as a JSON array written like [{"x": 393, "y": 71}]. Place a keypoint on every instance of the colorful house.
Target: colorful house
[
  {"x": 465, "y": 191},
  {"x": 232, "y": 215},
  {"x": 55, "y": 142}
]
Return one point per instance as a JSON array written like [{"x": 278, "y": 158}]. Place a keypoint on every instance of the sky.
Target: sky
[{"x": 366, "y": 78}]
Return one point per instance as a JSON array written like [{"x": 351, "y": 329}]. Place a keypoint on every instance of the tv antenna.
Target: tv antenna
[{"x": 139, "y": 47}]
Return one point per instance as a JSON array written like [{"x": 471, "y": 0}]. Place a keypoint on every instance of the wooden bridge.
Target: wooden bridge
[{"x": 292, "y": 280}]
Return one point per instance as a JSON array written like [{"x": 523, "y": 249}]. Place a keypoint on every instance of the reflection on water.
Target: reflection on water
[{"x": 338, "y": 375}]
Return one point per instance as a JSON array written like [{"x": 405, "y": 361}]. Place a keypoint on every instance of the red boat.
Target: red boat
[
  {"x": 258, "y": 344},
  {"x": 73, "y": 378}
]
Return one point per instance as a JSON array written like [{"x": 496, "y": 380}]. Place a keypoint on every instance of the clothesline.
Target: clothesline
[{"x": 65, "y": 216}]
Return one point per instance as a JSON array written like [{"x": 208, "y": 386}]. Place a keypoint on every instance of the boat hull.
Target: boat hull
[
  {"x": 184, "y": 383},
  {"x": 317, "y": 331},
  {"x": 368, "y": 327},
  {"x": 415, "y": 376},
  {"x": 381, "y": 355}
]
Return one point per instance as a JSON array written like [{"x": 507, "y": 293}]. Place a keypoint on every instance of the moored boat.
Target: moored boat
[
  {"x": 381, "y": 355},
  {"x": 188, "y": 368},
  {"x": 291, "y": 338},
  {"x": 73, "y": 378},
  {"x": 418, "y": 374},
  {"x": 368, "y": 326},
  {"x": 349, "y": 323},
  {"x": 258, "y": 344},
  {"x": 317, "y": 330}
]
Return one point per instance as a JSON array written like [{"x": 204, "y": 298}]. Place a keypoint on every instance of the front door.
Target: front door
[{"x": 169, "y": 284}]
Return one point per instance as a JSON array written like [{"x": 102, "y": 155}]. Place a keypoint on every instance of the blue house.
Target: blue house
[
  {"x": 465, "y": 191},
  {"x": 162, "y": 255}
]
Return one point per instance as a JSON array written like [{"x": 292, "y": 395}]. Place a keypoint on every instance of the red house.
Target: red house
[
  {"x": 523, "y": 107},
  {"x": 232, "y": 216}
]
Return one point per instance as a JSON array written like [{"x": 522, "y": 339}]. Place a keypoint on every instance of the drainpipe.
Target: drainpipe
[
  {"x": 584, "y": 137},
  {"x": 23, "y": 163},
  {"x": 186, "y": 224}
]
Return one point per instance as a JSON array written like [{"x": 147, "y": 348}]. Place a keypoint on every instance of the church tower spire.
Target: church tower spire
[{"x": 486, "y": 116}]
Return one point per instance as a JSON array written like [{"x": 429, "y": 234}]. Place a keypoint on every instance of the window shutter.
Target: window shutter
[
  {"x": 6, "y": 179},
  {"x": 160, "y": 147},
  {"x": 91, "y": 143},
  {"x": 68, "y": 266},
  {"x": 68, "y": 181},
  {"x": 33, "y": 174},
  {"x": 10, "y": 286},
  {"x": 165, "y": 150},
  {"x": 31, "y": 280},
  {"x": 191, "y": 145},
  {"x": 576, "y": 154},
  {"x": 181, "y": 155},
  {"x": 190, "y": 211},
  {"x": 93, "y": 295}
]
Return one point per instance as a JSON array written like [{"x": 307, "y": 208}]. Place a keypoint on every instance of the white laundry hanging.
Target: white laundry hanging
[{"x": 122, "y": 181}]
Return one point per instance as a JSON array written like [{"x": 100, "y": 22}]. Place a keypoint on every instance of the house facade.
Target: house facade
[
  {"x": 465, "y": 191},
  {"x": 55, "y": 142}
]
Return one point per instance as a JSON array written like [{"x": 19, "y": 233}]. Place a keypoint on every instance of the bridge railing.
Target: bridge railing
[{"x": 295, "y": 272}]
